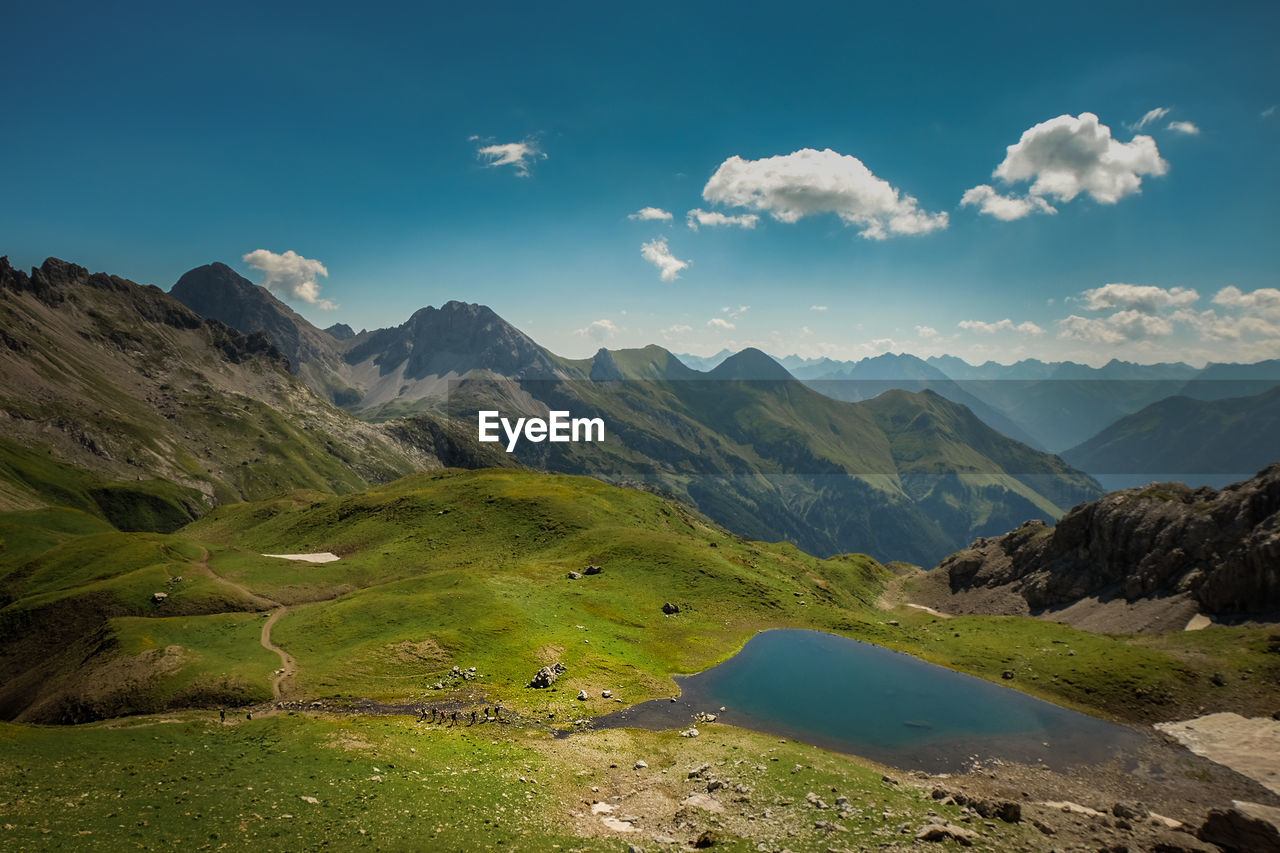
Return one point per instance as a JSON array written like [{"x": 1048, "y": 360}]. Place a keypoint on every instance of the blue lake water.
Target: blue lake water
[{"x": 867, "y": 700}]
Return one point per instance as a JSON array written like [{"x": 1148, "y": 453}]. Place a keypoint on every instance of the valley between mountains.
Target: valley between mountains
[{"x": 165, "y": 683}]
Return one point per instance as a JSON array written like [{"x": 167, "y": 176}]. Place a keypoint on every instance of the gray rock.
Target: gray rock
[
  {"x": 592, "y": 570},
  {"x": 547, "y": 675},
  {"x": 1237, "y": 831},
  {"x": 670, "y": 608},
  {"x": 573, "y": 576},
  {"x": 158, "y": 597},
  {"x": 946, "y": 832},
  {"x": 1219, "y": 546},
  {"x": 1130, "y": 811}
]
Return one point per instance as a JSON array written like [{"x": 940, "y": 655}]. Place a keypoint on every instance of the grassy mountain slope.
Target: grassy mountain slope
[
  {"x": 166, "y": 412},
  {"x": 907, "y": 476},
  {"x": 1180, "y": 435},
  {"x": 436, "y": 569}
]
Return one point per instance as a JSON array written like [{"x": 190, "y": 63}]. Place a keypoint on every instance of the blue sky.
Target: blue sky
[{"x": 150, "y": 139}]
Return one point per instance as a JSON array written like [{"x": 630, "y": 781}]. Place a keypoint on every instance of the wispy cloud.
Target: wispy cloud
[
  {"x": 720, "y": 323},
  {"x": 518, "y": 155},
  {"x": 1151, "y": 117},
  {"x": 714, "y": 219},
  {"x": 817, "y": 308},
  {"x": 598, "y": 330},
  {"x": 1006, "y": 325},
  {"x": 290, "y": 276},
  {"x": 808, "y": 182},
  {"x": 659, "y": 254},
  {"x": 651, "y": 214},
  {"x": 735, "y": 313},
  {"x": 1184, "y": 127}
]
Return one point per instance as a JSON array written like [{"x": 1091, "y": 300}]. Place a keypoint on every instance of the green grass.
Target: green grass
[
  {"x": 221, "y": 660},
  {"x": 470, "y": 569},
  {"x": 388, "y": 784},
  {"x": 1132, "y": 677}
]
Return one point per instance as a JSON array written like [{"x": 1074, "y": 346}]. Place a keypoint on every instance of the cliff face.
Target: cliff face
[{"x": 1220, "y": 548}]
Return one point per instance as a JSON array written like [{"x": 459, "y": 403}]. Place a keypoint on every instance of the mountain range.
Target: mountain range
[
  {"x": 1048, "y": 405},
  {"x": 905, "y": 476}
]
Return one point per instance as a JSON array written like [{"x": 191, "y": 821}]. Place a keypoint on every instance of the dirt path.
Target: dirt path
[{"x": 288, "y": 667}]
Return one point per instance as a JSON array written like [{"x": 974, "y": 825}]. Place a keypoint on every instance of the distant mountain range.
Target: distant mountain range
[
  {"x": 1048, "y": 405},
  {"x": 910, "y": 476},
  {"x": 1203, "y": 442}
]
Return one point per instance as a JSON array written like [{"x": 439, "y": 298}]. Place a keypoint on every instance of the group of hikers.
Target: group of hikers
[{"x": 452, "y": 718}]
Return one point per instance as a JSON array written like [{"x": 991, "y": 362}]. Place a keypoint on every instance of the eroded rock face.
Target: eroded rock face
[{"x": 1222, "y": 547}]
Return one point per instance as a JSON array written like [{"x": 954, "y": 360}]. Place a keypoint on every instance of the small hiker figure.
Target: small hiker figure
[
  {"x": 222, "y": 714},
  {"x": 248, "y": 715},
  {"x": 433, "y": 715},
  {"x": 473, "y": 718},
  {"x": 486, "y": 714},
  {"x": 455, "y": 719},
  {"x": 497, "y": 712}
]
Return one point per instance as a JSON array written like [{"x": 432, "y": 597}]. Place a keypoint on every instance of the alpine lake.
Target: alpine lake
[{"x": 863, "y": 699}]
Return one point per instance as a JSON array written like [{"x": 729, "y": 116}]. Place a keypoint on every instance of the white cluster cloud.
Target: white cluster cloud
[
  {"x": 808, "y": 182},
  {"x": 676, "y": 330},
  {"x": 1189, "y": 128},
  {"x": 1264, "y": 300},
  {"x": 1214, "y": 326},
  {"x": 720, "y": 323},
  {"x": 926, "y": 332},
  {"x": 1143, "y": 314},
  {"x": 1006, "y": 325},
  {"x": 713, "y": 218},
  {"x": 1127, "y": 325},
  {"x": 651, "y": 214},
  {"x": 598, "y": 330},
  {"x": 1066, "y": 156},
  {"x": 1142, "y": 297},
  {"x": 658, "y": 253},
  {"x": 290, "y": 276},
  {"x": 518, "y": 155},
  {"x": 1004, "y": 207},
  {"x": 735, "y": 313}
]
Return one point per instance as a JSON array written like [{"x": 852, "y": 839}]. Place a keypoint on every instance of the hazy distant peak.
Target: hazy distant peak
[{"x": 750, "y": 363}]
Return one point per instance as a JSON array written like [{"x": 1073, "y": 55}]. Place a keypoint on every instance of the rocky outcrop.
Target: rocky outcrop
[
  {"x": 546, "y": 676},
  {"x": 1219, "y": 547}
]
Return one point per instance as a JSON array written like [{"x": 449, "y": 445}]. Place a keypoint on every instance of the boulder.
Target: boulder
[
  {"x": 546, "y": 676},
  {"x": 670, "y": 608},
  {"x": 573, "y": 576},
  {"x": 582, "y": 694},
  {"x": 592, "y": 570},
  {"x": 946, "y": 832},
  {"x": 159, "y": 597},
  {"x": 1234, "y": 830}
]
